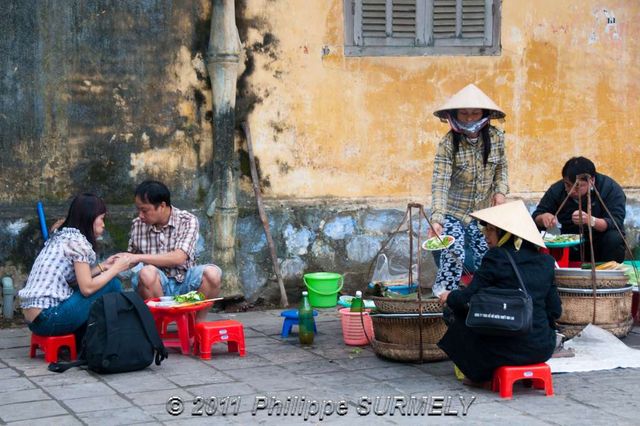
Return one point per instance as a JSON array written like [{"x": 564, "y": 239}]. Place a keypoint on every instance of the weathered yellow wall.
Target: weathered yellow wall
[{"x": 330, "y": 125}]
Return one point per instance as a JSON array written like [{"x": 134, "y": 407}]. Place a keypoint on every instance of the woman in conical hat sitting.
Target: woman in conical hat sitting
[
  {"x": 507, "y": 227},
  {"x": 469, "y": 173}
]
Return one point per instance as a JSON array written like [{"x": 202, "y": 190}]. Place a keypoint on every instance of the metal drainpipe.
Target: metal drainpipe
[
  {"x": 223, "y": 57},
  {"x": 7, "y": 297}
]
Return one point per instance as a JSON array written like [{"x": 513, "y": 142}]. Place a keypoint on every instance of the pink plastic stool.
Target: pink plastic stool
[
  {"x": 50, "y": 345},
  {"x": 210, "y": 333},
  {"x": 505, "y": 376}
]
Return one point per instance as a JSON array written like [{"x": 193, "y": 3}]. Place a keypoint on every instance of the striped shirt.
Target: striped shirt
[
  {"x": 181, "y": 232},
  {"x": 53, "y": 272},
  {"x": 464, "y": 184}
]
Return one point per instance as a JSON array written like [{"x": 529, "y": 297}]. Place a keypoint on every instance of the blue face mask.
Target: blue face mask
[{"x": 469, "y": 129}]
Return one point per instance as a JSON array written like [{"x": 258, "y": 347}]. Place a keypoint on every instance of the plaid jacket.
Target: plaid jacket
[
  {"x": 181, "y": 232},
  {"x": 464, "y": 184}
]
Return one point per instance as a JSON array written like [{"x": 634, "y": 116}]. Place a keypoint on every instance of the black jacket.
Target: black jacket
[
  {"x": 611, "y": 193},
  {"x": 478, "y": 355}
]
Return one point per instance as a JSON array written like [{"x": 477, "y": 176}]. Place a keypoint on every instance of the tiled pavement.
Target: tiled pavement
[{"x": 280, "y": 368}]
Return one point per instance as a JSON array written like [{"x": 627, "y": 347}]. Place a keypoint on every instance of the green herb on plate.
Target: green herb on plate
[
  {"x": 192, "y": 296},
  {"x": 436, "y": 243}
]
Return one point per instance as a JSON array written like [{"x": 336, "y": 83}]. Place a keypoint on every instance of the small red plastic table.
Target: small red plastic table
[
  {"x": 185, "y": 319},
  {"x": 560, "y": 252},
  {"x": 561, "y": 255}
]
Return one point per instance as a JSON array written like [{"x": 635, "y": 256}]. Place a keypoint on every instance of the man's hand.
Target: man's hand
[
  {"x": 443, "y": 297},
  {"x": 576, "y": 218},
  {"x": 546, "y": 220},
  {"x": 498, "y": 199},
  {"x": 132, "y": 258},
  {"x": 436, "y": 229}
]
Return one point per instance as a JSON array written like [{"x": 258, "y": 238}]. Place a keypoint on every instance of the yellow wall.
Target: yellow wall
[{"x": 330, "y": 125}]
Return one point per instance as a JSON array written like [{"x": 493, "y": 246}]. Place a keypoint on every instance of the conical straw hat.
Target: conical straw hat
[
  {"x": 470, "y": 97},
  {"x": 512, "y": 217}
]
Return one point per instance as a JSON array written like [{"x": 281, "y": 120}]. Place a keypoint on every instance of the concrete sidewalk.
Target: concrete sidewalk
[{"x": 280, "y": 368}]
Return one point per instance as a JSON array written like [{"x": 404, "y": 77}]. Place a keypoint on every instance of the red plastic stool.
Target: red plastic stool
[
  {"x": 50, "y": 345},
  {"x": 210, "y": 333},
  {"x": 504, "y": 378}
]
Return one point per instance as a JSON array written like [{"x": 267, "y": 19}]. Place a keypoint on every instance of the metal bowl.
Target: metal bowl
[
  {"x": 586, "y": 273},
  {"x": 588, "y": 291}
]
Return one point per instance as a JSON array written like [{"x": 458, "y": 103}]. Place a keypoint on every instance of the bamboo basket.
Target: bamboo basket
[
  {"x": 612, "y": 306},
  {"x": 408, "y": 353},
  {"x": 388, "y": 305},
  {"x": 620, "y": 330},
  {"x": 406, "y": 330},
  {"x": 581, "y": 278}
]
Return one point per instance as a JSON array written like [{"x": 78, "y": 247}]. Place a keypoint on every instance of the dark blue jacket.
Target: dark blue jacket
[
  {"x": 611, "y": 193},
  {"x": 478, "y": 355}
]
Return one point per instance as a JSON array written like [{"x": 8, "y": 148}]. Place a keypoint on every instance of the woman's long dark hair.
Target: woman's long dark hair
[
  {"x": 486, "y": 139},
  {"x": 84, "y": 210}
]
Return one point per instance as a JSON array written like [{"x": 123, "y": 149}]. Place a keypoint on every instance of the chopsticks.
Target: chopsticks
[{"x": 180, "y": 305}]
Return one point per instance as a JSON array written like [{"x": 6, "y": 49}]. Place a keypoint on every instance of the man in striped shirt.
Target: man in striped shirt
[{"x": 163, "y": 240}]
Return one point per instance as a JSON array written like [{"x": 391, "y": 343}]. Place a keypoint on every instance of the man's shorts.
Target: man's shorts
[{"x": 171, "y": 287}]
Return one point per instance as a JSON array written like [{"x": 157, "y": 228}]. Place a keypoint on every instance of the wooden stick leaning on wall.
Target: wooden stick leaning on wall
[{"x": 263, "y": 215}]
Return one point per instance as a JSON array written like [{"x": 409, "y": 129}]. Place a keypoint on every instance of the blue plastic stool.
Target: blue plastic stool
[{"x": 291, "y": 319}]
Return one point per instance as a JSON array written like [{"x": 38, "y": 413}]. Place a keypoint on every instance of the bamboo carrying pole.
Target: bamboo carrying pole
[{"x": 263, "y": 216}]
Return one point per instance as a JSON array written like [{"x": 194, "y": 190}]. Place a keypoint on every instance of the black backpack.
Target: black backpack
[{"x": 121, "y": 336}]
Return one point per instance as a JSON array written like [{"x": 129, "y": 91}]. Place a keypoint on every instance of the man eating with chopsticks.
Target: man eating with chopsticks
[{"x": 565, "y": 205}]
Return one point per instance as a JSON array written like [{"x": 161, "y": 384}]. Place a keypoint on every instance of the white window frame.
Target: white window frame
[{"x": 424, "y": 43}]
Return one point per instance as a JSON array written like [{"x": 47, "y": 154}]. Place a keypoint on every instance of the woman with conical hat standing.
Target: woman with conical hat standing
[
  {"x": 469, "y": 173},
  {"x": 507, "y": 227}
]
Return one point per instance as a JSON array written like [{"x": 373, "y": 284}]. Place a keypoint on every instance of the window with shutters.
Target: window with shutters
[{"x": 422, "y": 27}]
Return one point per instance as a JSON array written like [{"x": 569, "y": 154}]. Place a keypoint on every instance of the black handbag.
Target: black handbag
[{"x": 501, "y": 311}]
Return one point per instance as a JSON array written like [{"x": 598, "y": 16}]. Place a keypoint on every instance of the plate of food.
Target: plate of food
[
  {"x": 562, "y": 240},
  {"x": 191, "y": 297},
  {"x": 438, "y": 243},
  {"x": 162, "y": 302}
]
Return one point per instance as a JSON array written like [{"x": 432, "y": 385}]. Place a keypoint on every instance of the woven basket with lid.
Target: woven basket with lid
[
  {"x": 581, "y": 278},
  {"x": 612, "y": 306}
]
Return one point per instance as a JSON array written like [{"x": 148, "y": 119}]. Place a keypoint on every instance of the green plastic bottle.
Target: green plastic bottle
[
  {"x": 357, "y": 305},
  {"x": 306, "y": 324}
]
